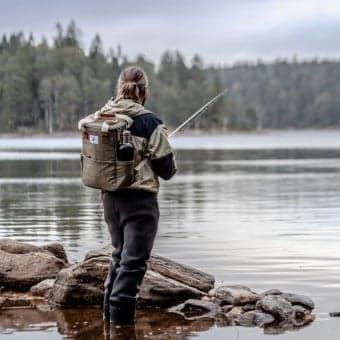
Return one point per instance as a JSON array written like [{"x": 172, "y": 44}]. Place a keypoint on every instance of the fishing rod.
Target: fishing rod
[{"x": 197, "y": 113}]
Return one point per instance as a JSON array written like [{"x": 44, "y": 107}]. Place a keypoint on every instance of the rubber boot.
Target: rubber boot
[
  {"x": 106, "y": 305},
  {"x": 108, "y": 284},
  {"x": 122, "y": 314}
]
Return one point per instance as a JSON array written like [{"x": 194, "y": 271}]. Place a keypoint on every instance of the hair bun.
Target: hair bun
[{"x": 132, "y": 83}]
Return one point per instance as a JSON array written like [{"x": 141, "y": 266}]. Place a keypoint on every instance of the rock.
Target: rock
[
  {"x": 182, "y": 273},
  {"x": 301, "y": 300},
  {"x": 308, "y": 318},
  {"x": 57, "y": 249},
  {"x": 248, "y": 307},
  {"x": 17, "y": 247},
  {"x": 206, "y": 298},
  {"x": 299, "y": 312},
  {"x": 270, "y": 292},
  {"x": 234, "y": 313},
  {"x": 196, "y": 309},
  {"x": 212, "y": 292},
  {"x": 235, "y": 295},
  {"x": 104, "y": 251},
  {"x": 21, "y": 271},
  {"x": 188, "y": 275},
  {"x": 227, "y": 308},
  {"x": 302, "y": 316},
  {"x": 82, "y": 284},
  {"x": 334, "y": 314},
  {"x": 159, "y": 290},
  {"x": 284, "y": 326},
  {"x": 276, "y": 305},
  {"x": 42, "y": 287},
  {"x": 254, "y": 318},
  {"x": 218, "y": 301}
]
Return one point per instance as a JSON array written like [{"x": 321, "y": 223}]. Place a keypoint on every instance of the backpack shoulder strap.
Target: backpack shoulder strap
[{"x": 142, "y": 112}]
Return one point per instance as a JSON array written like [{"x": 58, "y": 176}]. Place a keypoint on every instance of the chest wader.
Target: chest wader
[
  {"x": 132, "y": 218},
  {"x": 131, "y": 215}
]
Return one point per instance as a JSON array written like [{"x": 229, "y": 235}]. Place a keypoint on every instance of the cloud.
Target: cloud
[{"x": 220, "y": 31}]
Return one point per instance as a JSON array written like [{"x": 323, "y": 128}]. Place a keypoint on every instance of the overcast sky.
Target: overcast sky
[{"x": 222, "y": 32}]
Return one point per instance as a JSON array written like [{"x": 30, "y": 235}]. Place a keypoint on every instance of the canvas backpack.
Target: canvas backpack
[{"x": 102, "y": 135}]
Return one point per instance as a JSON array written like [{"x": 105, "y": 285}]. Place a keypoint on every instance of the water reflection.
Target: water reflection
[
  {"x": 87, "y": 324},
  {"x": 264, "y": 218}
]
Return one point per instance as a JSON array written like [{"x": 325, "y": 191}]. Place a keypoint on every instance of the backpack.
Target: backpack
[{"x": 102, "y": 135}]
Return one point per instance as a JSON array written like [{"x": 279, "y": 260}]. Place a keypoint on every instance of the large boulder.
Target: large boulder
[
  {"x": 81, "y": 284},
  {"x": 17, "y": 247},
  {"x": 21, "y": 271},
  {"x": 185, "y": 274},
  {"x": 166, "y": 282}
]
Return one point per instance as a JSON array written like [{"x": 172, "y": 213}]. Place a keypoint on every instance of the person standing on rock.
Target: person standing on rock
[{"x": 132, "y": 213}]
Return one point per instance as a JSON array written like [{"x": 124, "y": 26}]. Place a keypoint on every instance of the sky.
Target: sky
[{"x": 221, "y": 32}]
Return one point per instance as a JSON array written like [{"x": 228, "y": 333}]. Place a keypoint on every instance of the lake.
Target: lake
[{"x": 259, "y": 209}]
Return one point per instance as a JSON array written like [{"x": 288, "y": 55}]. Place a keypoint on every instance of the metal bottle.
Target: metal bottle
[{"x": 125, "y": 150}]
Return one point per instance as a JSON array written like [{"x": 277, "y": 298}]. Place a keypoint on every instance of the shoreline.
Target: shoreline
[{"x": 76, "y": 133}]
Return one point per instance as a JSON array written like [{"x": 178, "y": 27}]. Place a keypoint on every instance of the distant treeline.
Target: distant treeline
[{"x": 49, "y": 87}]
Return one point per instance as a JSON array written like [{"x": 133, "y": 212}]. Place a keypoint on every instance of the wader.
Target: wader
[{"x": 132, "y": 218}]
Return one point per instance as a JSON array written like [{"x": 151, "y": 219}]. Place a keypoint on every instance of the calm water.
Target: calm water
[{"x": 260, "y": 209}]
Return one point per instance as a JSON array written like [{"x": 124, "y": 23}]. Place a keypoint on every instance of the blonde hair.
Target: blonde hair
[{"x": 132, "y": 84}]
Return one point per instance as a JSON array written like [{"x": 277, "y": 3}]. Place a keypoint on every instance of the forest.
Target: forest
[{"x": 48, "y": 86}]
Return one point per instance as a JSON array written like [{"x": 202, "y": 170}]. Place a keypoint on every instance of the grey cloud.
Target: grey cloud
[{"x": 220, "y": 31}]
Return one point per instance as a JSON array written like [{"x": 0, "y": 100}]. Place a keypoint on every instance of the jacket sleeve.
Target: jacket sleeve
[{"x": 161, "y": 154}]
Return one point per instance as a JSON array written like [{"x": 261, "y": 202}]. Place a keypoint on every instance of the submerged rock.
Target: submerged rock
[
  {"x": 21, "y": 271},
  {"x": 254, "y": 318}
]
